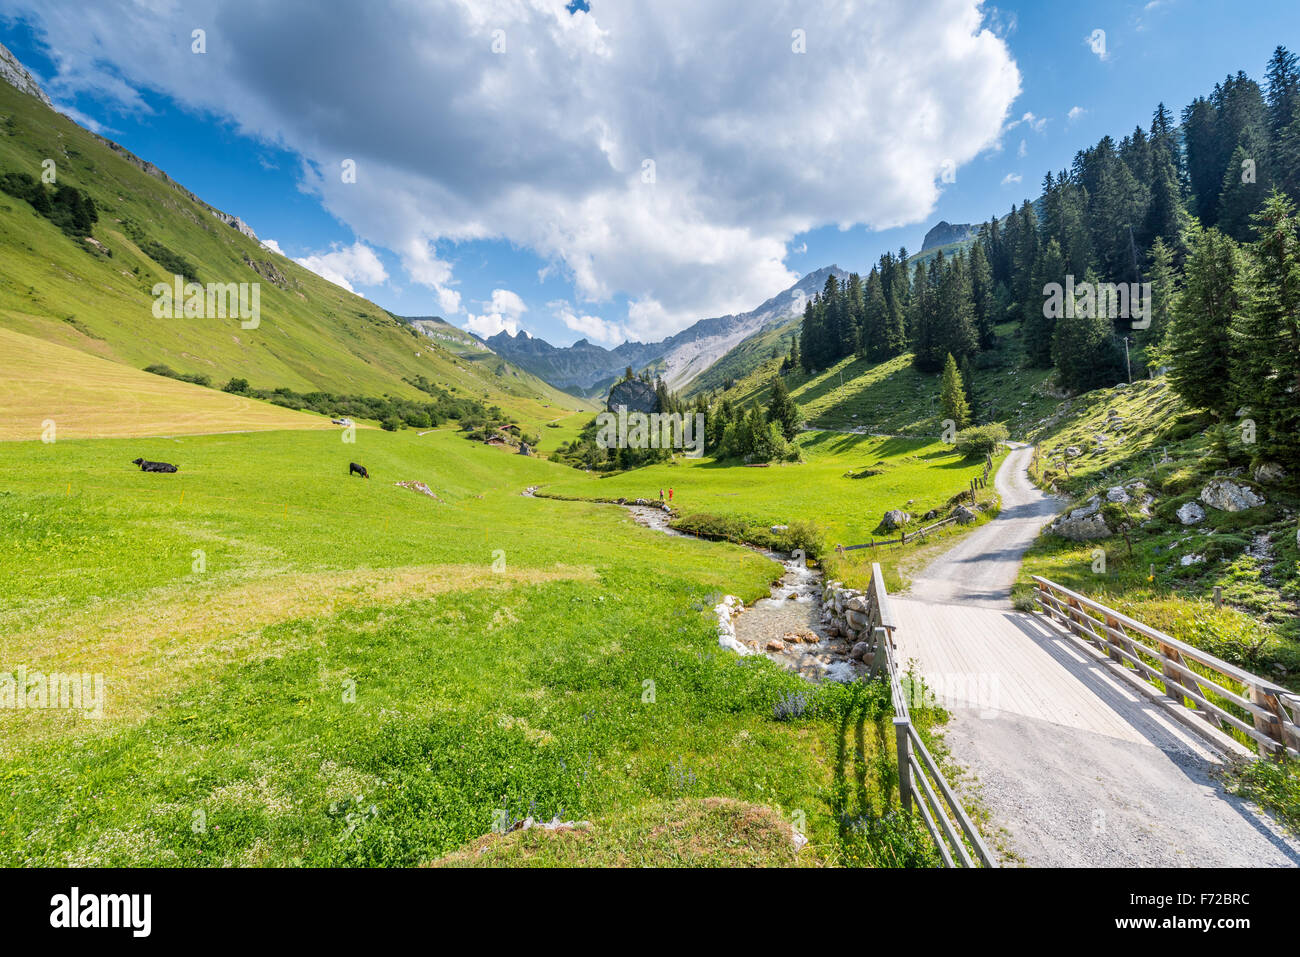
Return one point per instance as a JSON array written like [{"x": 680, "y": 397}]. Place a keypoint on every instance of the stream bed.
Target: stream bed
[{"x": 788, "y": 626}]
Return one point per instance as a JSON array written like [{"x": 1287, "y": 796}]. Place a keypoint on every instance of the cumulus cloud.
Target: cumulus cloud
[
  {"x": 345, "y": 265},
  {"x": 545, "y": 143},
  {"x": 1011, "y": 178},
  {"x": 500, "y": 314},
  {"x": 272, "y": 245},
  {"x": 593, "y": 328},
  {"x": 1075, "y": 113}
]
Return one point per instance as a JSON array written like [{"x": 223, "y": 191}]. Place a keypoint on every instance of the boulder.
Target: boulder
[
  {"x": 1228, "y": 496},
  {"x": 1191, "y": 560},
  {"x": 859, "y": 651},
  {"x": 1191, "y": 514},
  {"x": 1083, "y": 524},
  {"x": 963, "y": 515},
  {"x": 1269, "y": 473},
  {"x": 1117, "y": 495},
  {"x": 778, "y": 529},
  {"x": 895, "y": 518},
  {"x": 1073, "y": 451}
]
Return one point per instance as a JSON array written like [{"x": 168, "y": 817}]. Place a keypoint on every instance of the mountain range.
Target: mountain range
[{"x": 679, "y": 360}]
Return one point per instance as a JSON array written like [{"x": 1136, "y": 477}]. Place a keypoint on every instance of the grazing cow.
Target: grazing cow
[
  {"x": 355, "y": 469},
  {"x": 147, "y": 466}
]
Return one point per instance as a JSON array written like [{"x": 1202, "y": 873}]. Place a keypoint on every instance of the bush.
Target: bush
[
  {"x": 391, "y": 424},
  {"x": 236, "y": 386},
  {"x": 981, "y": 439},
  {"x": 792, "y": 704}
]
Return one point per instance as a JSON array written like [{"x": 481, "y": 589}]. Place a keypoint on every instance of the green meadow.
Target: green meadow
[{"x": 304, "y": 667}]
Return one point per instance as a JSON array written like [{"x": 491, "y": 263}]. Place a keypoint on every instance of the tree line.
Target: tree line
[{"x": 1154, "y": 207}]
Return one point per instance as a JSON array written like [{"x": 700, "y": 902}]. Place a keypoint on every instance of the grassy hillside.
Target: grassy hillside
[
  {"x": 96, "y": 297},
  {"x": 893, "y": 398},
  {"x": 85, "y": 396},
  {"x": 1146, "y": 434}
]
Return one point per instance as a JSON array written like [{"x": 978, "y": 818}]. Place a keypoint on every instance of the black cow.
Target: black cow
[
  {"x": 355, "y": 469},
  {"x": 147, "y": 466}
]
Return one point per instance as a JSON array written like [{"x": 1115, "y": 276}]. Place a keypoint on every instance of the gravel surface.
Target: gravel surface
[
  {"x": 1075, "y": 765},
  {"x": 983, "y": 566}
]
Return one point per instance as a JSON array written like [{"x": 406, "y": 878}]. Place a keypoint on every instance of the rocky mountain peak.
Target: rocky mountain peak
[{"x": 17, "y": 76}]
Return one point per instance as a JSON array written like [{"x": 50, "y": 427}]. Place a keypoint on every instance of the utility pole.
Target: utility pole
[{"x": 1128, "y": 364}]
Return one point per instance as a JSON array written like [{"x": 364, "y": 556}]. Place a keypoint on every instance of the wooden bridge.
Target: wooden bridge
[{"x": 1087, "y": 737}]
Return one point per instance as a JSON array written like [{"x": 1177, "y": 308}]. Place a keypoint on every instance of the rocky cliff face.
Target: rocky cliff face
[
  {"x": 16, "y": 75},
  {"x": 944, "y": 233},
  {"x": 636, "y": 395}
]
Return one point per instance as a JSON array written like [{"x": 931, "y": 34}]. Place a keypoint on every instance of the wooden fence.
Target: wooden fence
[
  {"x": 1224, "y": 695},
  {"x": 920, "y": 780}
]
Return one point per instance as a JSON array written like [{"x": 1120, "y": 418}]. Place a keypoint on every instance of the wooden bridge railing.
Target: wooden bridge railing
[
  {"x": 1224, "y": 694},
  {"x": 919, "y": 778}
]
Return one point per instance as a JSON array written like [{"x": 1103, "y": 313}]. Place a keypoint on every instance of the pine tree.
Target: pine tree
[
  {"x": 982, "y": 300},
  {"x": 1266, "y": 334},
  {"x": 968, "y": 382},
  {"x": 1163, "y": 278},
  {"x": 952, "y": 394},
  {"x": 1240, "y": 196},
  {"x": 782, "y": 410},
  {"x": 1200, "y": 348},
  {"x": 1040, "y": 324},
  {"x": 1084, "y": 349}
]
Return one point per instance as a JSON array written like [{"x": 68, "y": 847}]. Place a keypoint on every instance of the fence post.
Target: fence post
[
  {"x": 1218, "y": 596},
  {"x": 1269, "y": 726},
  {"x": 903, "y": 745}
]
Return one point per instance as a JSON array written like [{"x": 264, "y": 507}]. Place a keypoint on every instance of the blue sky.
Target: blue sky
[{"x": 505, "y": 217}]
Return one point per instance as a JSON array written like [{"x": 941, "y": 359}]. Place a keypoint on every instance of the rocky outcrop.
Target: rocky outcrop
[
  {"x": 1228, "y": 496},
  {"x": 635, "y": 395},
  {"x": 17, "y": 76},
  {"x": 1189, "y": 513},
  {"x": 943, "y": 233}
]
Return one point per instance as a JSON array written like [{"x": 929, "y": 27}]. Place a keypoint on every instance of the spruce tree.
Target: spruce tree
[
  {"x": 1163, "y": 278},
  {"x": 1041, "y": 322},
  {"x": 1200, "y": 348},
  {"x": 1266, "y": 334},
  {"x": 1085, "y": 351},
  {"x": 782, "y": 410},
  {"x": 952, "y": 394}
]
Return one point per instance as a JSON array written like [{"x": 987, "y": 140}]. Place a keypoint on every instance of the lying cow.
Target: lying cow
[
  {"x": 355, "y": 469},
  {"x": 147, "y": 466}
]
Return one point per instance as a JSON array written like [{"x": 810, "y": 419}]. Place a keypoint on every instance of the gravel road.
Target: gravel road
[{"x": 1075, "y": 765}]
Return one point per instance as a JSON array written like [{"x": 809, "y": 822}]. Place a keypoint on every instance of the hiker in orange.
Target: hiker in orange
[{"x": 670, "y": 495}]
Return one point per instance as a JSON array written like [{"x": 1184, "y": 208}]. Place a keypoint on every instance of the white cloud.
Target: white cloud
[
  {"x": 272, "y": 245},
  {"x": 1075, "y": 113},
  {"x": 543, "y": 145},
  {"x": 1011, "y": 178},
  {"x": 345, "y": 265},
  {"x": 1024, "y": 149},
  {"x": 592, "y": 327},
  {"x": 1035, "y": 123},
  {"x": 500, "y": 313}
]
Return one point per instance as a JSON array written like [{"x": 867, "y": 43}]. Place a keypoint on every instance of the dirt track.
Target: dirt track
[{"x": 1075, "y": 765}]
